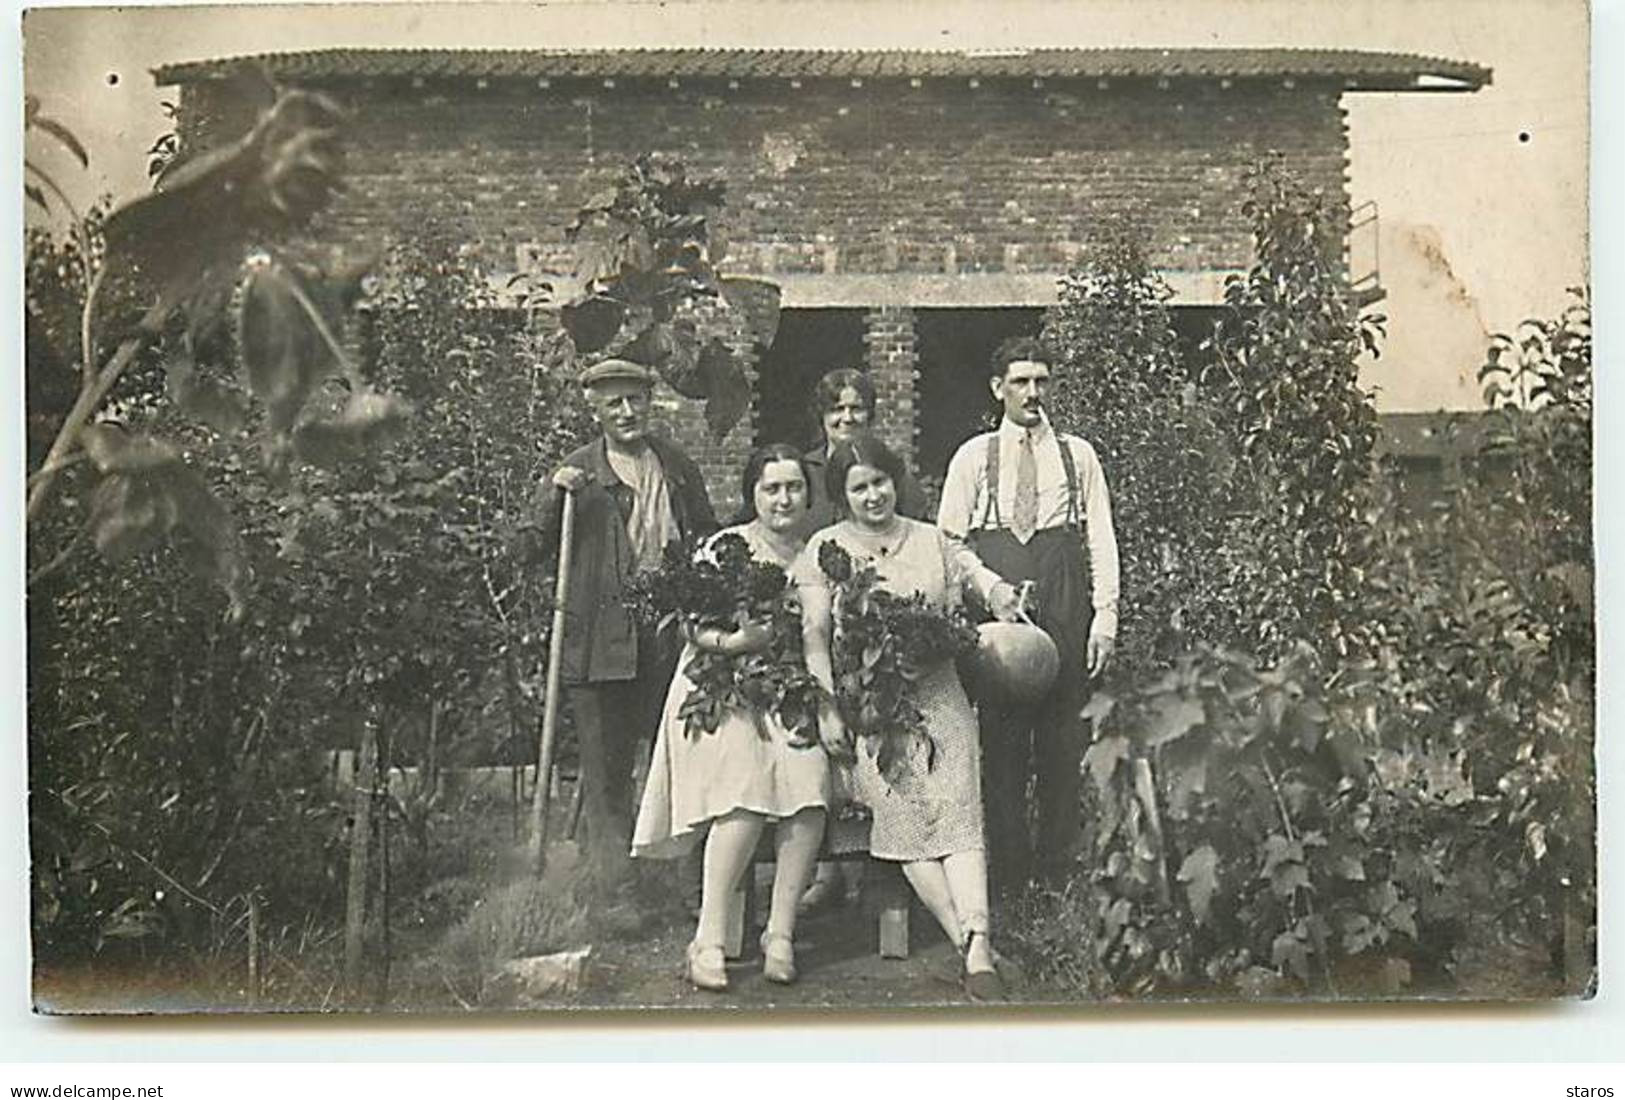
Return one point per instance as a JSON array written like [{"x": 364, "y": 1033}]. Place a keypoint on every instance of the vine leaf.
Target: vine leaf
[
  {"x": 1172, "y": 716},
  {"x": 1199, "y": 873},
  {"x": 1103, "y": 757}
]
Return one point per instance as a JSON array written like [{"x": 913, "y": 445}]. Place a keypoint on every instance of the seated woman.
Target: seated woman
[
  {"x": 845, "y": 402},
  {"x": 747, "y": 772},
  {"x": 929, "y": 817}
]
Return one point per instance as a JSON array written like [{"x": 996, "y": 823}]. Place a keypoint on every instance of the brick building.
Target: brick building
[{"x": 914, "y": 207}]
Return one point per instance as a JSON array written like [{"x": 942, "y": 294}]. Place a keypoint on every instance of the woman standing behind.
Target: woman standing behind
[
  {"x": 928, "y": 813},
  {"x": 747, "y": 771},
  {"x": 845, "y": 400}
]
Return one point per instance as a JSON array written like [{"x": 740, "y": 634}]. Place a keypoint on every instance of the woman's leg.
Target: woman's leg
[
  {"x": 796, "y": 850},
  {"x": 965, "y": 875},
  {"x": 930, "y": 882},
  {"x": 728, "y": 849}
]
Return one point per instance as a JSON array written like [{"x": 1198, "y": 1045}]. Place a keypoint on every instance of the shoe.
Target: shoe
[
  {"x": 706, "y": 969},
  {"x": 982, "y": 985},
  {"x": 778, "y": 959},
  {"x": 823, "y": 892}
]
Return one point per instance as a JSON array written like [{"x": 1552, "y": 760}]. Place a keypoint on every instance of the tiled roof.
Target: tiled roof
[{"x": 1354, "y": 69}]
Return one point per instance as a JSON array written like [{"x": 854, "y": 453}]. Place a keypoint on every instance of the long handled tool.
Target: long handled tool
[{"x": 550, "y": 710}]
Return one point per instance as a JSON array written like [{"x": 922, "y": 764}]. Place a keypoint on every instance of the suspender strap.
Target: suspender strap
[
  {"x": 990, "y": 511},
  {"x": 1069, "y": 465}
]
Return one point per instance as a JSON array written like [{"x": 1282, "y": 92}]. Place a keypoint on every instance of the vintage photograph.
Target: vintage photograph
[{"x": 786, "y": 505}]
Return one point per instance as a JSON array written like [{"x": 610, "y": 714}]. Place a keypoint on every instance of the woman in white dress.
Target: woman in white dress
[
  {"x": 727, "y": 784},
  {"x": 928, "y": 817}
]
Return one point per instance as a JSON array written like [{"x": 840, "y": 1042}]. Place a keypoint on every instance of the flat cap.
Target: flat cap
[{"x": 616, "y": 370}]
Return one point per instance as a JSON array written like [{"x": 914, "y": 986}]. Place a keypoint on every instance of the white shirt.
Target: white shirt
[
  {"x": 652, "y": 523},
  {"x": 965, "y": 500}
]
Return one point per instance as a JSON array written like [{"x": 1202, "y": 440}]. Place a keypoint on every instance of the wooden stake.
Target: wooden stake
[
  {"x": 1146, "y": 788},
  {"x": 355, "y": 917},
  {"x": 253, "y": 950}
]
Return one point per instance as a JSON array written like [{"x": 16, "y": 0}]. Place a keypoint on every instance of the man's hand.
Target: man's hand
[
  {"x": 572, "y": 479},
  {"x": 1005, "y": 602},
  {"x": 1100, "y": 653}
]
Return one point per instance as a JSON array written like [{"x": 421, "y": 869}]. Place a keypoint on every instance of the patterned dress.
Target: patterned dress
[
  {"x": 937, "y": 811},
  {"x": 694, "y": 779}
]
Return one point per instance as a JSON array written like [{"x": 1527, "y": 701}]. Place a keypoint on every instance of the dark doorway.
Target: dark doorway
[
  {"x": 810, "y": 343},
  {"x": 955, "y": 346}
]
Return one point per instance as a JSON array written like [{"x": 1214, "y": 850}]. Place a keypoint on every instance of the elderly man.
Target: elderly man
[
  {"x": 635, "y": 493},
  {"x": 1032, "y": 503}
]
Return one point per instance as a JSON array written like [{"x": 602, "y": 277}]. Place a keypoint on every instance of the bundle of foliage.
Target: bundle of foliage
[
  {"x": 883, "y": 644},
  {"x": 1120, "y": 383},
  {"x": 724, "y": 586},
  {"x": 1282, "y": 373}
]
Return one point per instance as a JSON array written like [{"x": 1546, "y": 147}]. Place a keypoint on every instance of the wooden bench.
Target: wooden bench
[{"x": 845, "y": 840}]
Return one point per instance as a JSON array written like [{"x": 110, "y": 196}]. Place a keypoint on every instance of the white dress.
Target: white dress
[
  {"x": 935, "y": 811},
  {"x": 694, "y": 779}
]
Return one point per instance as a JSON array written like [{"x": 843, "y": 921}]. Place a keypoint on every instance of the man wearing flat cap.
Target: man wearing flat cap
[{"x": 635, "y": 493}]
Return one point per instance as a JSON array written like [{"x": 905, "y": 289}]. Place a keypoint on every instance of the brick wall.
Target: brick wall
[
  {"x": 826, "y": 179},
  {"x": 830, "y": 179}
]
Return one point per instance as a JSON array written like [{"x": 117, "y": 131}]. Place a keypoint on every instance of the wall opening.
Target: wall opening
[
  {"x": 810, "y": 343},
  {"x": 954, "y": 404}
]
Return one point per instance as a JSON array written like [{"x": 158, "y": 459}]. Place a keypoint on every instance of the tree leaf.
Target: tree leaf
[
  {"x": 62, "y": 134},
  {"x": 593, "y": 322},
  {"x": 283, "y": 355},
  {"x": 755, "y": 304},
  {"x": 205, "y": 212},
  {"x": 727, "y": 389},
  {"x": 115, "y": 450}
]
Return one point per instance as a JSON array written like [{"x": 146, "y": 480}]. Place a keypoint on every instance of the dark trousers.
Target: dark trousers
[
  {"x": 614, "y": 721},
  {"x": 1040, "y": 743}
]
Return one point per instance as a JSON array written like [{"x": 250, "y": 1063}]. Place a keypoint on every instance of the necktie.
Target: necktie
[{"x": 1024, "y": 513}]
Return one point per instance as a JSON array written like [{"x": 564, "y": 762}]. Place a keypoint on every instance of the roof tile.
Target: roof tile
[{"x": 1354, "y": 69}]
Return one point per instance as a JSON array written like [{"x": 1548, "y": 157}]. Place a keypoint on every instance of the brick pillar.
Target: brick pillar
[{"x": 893, "y": 360}]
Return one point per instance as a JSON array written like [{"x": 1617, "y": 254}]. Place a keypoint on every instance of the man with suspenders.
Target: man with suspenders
[{"x": 1033, "y": 504}]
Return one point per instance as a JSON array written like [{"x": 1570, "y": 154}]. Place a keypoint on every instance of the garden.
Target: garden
[{"x": 288, "y": 620}]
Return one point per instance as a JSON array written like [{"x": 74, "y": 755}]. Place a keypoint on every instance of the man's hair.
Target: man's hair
[
  {"x": 756, "y": 463},
  {"x": 863, "y": 449},
  {"x": 1018, "y": 349},
  {"x": 828, "y": 390}
]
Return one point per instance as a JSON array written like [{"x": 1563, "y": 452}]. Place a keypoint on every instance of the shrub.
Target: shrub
[
  {"x": 1120, "y": 383},
  {"x": 1282, "y": 369}
]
